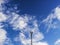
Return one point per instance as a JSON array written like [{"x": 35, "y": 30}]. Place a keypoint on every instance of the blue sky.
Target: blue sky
[{"x": 19, "y": 17}]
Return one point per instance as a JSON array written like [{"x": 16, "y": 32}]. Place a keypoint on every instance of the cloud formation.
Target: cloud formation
[
  {"x": 26, "y": 24},
  {"x": 3, "y": 32},
  {"x": 57, "y": 13},
  {"x": 57, "y": 42},
  {"x": 2, "y": 36},
  {"x": 27, "y": 41},
  {"x": 3, "y": 17},
  {"x": 52, "y": 20},
  {"x": 40, "y": 43}
]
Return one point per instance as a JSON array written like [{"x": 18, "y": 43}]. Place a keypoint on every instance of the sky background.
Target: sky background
[{"x": 19, "y": 17}]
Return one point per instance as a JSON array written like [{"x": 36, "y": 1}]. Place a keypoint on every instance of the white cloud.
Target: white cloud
[
  {"x": 57, "y": 12},
  {"x": 3, "y": 36},
  {"x": 57, "y": 42},
  {"x": 48, "y": 21},
  {"x": 3, "y": 17},
  {"x": 13, "y": 18},
  {"x": 38, "y": 36},
  {"x": 22, "y": 23},
  {"x": 1, "y": 1},
  {"x": 26, "y": 24},
  {"x": 40, "y": 43},
  {"x": 27, "y": 41},
  {"x": 52, "y": 19},
  {"x": 19, "y": 22}
]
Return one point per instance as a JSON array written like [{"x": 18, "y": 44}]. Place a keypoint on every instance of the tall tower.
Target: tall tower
[{"x": 31, "y": 37}]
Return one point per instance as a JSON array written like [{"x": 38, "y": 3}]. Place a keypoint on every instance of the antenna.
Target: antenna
[{"x": 31, "y": 36}]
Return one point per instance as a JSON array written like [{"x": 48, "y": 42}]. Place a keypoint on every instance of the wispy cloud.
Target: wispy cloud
[
  {"x": 3, "y": 32},
  {"x": 27, "y": 41},
  {"x": 2, "y": 36},
  {"x": 57, "y": 42},
  {"x": 57, "y": 12},
  {"x": 2, "y": 17},
  {"x": 40, "y": 43},
  {"x": 26, "y": 24},
  {"x": 52, "y": 19}
]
